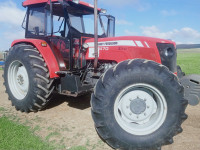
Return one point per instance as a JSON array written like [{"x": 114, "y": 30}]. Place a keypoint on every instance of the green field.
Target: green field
[
  {"x": 189, "y": 60},
  {"x": 14, "y": 136}
]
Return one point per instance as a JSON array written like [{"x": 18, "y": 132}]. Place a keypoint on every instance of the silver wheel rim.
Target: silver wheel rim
[
  {"x": 18, "y": 80},
  {"x": 140, "y": 109}
]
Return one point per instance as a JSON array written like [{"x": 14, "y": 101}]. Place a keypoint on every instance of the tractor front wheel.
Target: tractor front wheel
[
  {"x": 27, "y": 79},
  {"x": 138, "y": 104}
]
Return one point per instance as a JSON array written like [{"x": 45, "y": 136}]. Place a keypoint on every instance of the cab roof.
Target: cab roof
[{"x": 33, "y": 2}]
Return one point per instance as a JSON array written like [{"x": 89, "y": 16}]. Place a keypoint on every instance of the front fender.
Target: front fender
[{"x": 46, "y": 53}]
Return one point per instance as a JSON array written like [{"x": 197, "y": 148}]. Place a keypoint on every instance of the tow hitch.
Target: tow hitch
[{"x": 191, "y": 85}]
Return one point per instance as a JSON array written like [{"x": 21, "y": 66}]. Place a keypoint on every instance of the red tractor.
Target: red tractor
[{"x": 137, "y": 101}]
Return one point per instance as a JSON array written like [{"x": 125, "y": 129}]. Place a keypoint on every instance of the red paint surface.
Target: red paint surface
[
  {"x": 113, "y": 53},
  {"x": 121, "y": 53},
  {"x": 46, "y": 52},
  {"x": 32, "y": 2}
]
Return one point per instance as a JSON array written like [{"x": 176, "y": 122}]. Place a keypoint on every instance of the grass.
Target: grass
[
  {"x": 189, "y": 62},
  {"x": 78, "y": 148},
  {"x": 2, "y": 109},
  {"x": 14, "y": 136},
  {"x": 52, "y": 134}
]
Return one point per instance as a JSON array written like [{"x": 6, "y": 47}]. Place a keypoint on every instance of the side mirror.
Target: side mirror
[{"x": 111, "y": 26}]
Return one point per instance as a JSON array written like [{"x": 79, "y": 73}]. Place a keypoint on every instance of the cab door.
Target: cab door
[{"x": 60, "y": 43}]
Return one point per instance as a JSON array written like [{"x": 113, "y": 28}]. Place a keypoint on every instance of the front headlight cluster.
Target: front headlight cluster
[
  {"x": 168, "y": 55},
  {"x": 169, "y": 52},
  {"x": 76, "y": 1}
]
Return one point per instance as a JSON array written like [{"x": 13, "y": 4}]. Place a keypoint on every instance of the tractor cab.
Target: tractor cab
[{"x": 65, "y": 25}]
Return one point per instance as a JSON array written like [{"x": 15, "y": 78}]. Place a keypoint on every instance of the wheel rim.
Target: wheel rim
[
  {"x": 140, "y": 109},
  {"x": 18, "y": 80}
]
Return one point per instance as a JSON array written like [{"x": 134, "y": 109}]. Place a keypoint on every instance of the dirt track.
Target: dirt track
[{"x": 67, "y": 121}]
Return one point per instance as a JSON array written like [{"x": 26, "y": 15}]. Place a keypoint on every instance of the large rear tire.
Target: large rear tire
[
  {"x": 138, "y": 105},
  {"x": 27, "y": 80}
]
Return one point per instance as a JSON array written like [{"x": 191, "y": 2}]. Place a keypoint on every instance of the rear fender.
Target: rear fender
[{"x": 46, "y": 53}]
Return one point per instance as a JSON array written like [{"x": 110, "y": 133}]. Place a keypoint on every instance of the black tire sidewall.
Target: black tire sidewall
[
  {"x": 16, "y": 55},
  {"x": 164, "y": 85}
]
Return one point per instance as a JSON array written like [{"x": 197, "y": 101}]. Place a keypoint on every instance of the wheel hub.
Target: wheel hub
[
  {"x": 140, "y": 109},
  {"x": 22, "y": 79},
  {"x": 138, "y": 106},
  {"x": 18, "y": 80}
]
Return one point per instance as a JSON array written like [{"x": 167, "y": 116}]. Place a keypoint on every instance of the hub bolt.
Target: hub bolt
[{"x": 20, "y": 80}]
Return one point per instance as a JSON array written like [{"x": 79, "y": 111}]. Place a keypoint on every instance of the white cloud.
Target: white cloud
[
  {"x": 168, "y": 12},
  {"x": 11, "y": 19},
  {"x": 8, "y": 36},
  {"x": 120, "y": 2},
  {"x": 137, "y": 4},
  {"x": 10, "y": 14},
  {"x": 13, "y": 36},
  {"x": 184, "y": 35},
  {"x": 130, "y": 33},
  {"x": 123, "y": 22}
]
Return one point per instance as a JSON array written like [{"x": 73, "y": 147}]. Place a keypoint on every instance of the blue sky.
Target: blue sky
[{"x": 178, "y": 20}]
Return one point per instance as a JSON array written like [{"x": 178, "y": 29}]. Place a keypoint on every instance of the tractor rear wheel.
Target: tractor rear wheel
[
  {"x": 27, "y": 79},
  {"x": 138, "y": 105}
]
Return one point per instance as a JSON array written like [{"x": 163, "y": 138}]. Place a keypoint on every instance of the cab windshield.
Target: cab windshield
[
  {"x": 66, "y": 20},
  {"x": 85, "y": 24},
  {"x": 82, "y": 19}
]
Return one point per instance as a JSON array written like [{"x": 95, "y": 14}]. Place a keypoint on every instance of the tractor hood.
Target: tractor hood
[
  {"x": 136, "y": 41},
  {"x": 127, "y": 47}
]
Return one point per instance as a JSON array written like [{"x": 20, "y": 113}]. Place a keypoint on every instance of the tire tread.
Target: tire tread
[
  {"x": 44, "y": 86},
  {"x": 114, "y": 73}
]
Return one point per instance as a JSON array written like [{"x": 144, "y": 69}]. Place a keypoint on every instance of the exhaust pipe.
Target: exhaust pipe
[{"x": 95, "y": 35}]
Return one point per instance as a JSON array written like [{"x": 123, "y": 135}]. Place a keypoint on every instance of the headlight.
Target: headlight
[
  {"x": 103, "y": 11},
  {"x": 168, "y": 55},
  {"x": 85, "y": 46},
  {"x": 76, "y": 1},
  {"x": 169, "y": 52}
]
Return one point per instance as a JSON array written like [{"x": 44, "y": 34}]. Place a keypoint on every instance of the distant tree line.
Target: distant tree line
[{"x": 188, "y": 46}]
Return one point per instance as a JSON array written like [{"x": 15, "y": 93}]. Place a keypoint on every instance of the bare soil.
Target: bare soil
[{"x": 68, "y": 122}]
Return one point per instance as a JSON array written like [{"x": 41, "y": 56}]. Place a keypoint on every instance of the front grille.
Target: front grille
[{"x": 168, "y": 56}]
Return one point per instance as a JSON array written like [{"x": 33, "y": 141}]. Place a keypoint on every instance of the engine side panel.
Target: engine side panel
[
  {"x": 46, "y": 52},
  {"x": 122, "y": 48}
]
